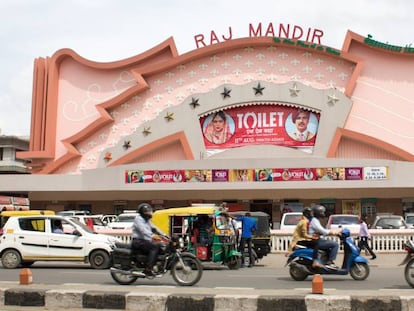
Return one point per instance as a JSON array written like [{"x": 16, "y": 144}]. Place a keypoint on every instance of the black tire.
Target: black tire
[
  {"x": 234, "y": 263},
  {"x": 190, "y": 273},
  {"x": 11, "y": 259},
  {"x": 409, "y": 272},
  {"x": 100, "y": 259},
  {"x": 296, "y": 273},
  {"x": 123, "y": 278},
  {"x": 359, "y": 271}
]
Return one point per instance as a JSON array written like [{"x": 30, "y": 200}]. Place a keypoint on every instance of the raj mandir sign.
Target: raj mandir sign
[{"x": 288, "y": 31}]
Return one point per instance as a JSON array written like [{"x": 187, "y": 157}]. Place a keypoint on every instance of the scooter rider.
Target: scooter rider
[
  {"x": 317, "y": 231},
  {"x": 142, "y": 236}
]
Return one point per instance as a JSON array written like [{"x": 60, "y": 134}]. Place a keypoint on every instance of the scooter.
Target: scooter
[
  {"x": 300, "y": 261},
  {"x": 409, "y": 263}
]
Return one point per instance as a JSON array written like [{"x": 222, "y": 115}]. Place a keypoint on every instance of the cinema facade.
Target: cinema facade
[{"x": 107, "y": 136}]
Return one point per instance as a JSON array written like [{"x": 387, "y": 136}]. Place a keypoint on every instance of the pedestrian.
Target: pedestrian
[
  {"x": 364, "y": 236},
  {"x": 249, "y": 227}
]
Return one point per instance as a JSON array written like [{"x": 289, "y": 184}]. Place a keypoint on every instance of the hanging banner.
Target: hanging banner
[
  {"x": 294, "y": 174},
  {"x": 264, "y": 124}
]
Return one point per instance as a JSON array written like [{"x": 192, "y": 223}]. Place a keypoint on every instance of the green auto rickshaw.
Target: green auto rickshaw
[{"x": 204, "y": 230}]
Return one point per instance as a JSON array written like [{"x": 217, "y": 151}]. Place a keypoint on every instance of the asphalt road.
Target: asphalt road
[{"x": 267, "y": 274}]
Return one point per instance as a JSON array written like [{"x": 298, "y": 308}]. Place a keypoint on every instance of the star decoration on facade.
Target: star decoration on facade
[
  {"x": 332, "y": 99},
  {"x": 169, "y": 116},
  {"x": 194, "y": 103},
  {"x": 108, "y": 156},
  {"x": 127, "y": 144},
  {"x": 226, "y": 93},
  {"x": 294, "y": 91},
  {"x": 146, "y": 131},
  {"x": 258, "y": 90}
]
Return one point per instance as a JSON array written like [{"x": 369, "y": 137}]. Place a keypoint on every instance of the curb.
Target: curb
[{"x": 95, "y": 299}]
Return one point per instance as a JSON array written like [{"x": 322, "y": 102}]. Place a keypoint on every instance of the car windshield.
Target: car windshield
[
  {"x": 391, "y": 223},
  {"x": 83, "y": 226},
  {"x": 125, "y": 218},
  {"x": 344, "y": 220},
  {"x": 292, "y": 219},
  {"x": 410, "y": 219}
]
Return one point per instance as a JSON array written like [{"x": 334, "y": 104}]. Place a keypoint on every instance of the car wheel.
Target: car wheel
[
  {"x": 100, "y": 259},
  {"x": 11, "y": 259}
]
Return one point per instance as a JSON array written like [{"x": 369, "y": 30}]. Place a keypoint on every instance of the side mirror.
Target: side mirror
[{"x": 77, "y": 233}]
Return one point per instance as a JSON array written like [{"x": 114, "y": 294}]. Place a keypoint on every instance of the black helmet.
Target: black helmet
[
  {"x": 145, "y": 210},
  {"x": 318, "y": 211},
  {"x": 307, "y": 212}
]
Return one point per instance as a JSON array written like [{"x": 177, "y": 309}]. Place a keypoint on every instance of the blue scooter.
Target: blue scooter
[{"x": 300, "y": 261}]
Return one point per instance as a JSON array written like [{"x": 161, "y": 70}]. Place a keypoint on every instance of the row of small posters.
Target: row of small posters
[{"x": 256, "y": 175}]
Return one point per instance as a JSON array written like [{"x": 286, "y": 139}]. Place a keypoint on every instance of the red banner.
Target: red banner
[{"x": 265, "y": 124}]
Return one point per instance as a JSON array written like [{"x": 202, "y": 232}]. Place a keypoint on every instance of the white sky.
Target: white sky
[{"x": 110, "y": 30}]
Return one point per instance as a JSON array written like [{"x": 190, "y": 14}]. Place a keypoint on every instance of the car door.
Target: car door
[
  {"x": 31, "y": 238},
  {"x": 67, "y": 245}
]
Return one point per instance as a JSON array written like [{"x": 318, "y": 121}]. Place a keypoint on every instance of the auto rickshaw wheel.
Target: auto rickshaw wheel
[{"x": 234, "y": 263}]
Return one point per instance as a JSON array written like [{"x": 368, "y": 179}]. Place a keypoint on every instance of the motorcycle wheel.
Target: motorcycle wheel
[
  {"x": 234, "y": 263},
  {"x": 189, "y": 273},
  {"x": 409, "y": 272},
  {"x": 359, "y": 271},
  {"x": 296, "y": 273},
  {"x": 123, "y": 278}
]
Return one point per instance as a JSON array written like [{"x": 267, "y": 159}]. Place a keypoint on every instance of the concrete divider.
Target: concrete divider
[{"x": 154, "y": 301}]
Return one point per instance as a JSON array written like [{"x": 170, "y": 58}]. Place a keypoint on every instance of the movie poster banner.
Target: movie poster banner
[
  {"x": 260, "y": 124},
  {"x": 256, "y": 175},
  {"x": 294, "y": 174},
  {"x": 242, "y": 175}
]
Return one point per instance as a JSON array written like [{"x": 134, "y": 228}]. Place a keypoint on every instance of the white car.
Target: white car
[
  {"x": 92, "y": 221},
  {"x": 27, "y": 239},
  {"x": 290, "y": 220},
  {"x": 123, "y": 221},
  {"x": 340, "y": 221}
]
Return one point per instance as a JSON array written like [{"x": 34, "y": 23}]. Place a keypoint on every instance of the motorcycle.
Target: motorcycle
[
  {"x": 409, "y": 263},
  {"x": 128, "y": 266},
  {"x": 300, "y": 261}
]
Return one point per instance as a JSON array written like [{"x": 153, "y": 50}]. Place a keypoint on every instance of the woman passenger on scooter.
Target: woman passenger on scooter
[
  {"x": 318, "y": 232},
  {"x": 300, "y": 235}
]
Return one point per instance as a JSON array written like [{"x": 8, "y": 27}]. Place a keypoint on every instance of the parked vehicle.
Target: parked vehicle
[
  {"x": 27, "y": 239},
  {"x": 340, "y": 221},
  {"x": 409, "y": 263},
  {"x": 106, "y": 219},
  {"x": 72, "y": 213},
  {"x": 300, "y": 261},
  {"x": 92, "y": 221},
  {"x": 123, "y": 221},
  {"x": 290, "y": 220},
  {"x": 261, "y": 239},
  {"x": 184, "y": 222},
  {"x": 389, "y": 222},
  {"x": 409, "y": 219},
  {"x": 186, "y": 269}
]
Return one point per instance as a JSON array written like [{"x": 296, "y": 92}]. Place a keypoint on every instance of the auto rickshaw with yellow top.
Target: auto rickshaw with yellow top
[{"x": 205, "y": 231}]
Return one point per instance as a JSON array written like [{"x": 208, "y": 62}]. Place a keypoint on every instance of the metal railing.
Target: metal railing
[{"x": 382, "y": 241}]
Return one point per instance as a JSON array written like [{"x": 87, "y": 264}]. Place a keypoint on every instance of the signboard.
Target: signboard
[
  {"x": 265, "y": 124},
  {"x": 257, "y": 175}
]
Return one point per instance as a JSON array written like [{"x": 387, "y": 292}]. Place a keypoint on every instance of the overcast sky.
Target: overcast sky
[{"x": 110, "y": 30}]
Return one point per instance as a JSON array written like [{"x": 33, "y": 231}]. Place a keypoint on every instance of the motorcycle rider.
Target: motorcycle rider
[
  {"x": 142, "y": 236},
  {"x": 301, "y": 235},
  {"x": 318, "y": 232}
]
